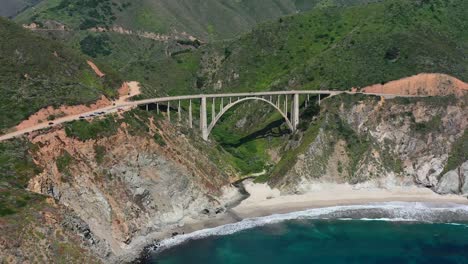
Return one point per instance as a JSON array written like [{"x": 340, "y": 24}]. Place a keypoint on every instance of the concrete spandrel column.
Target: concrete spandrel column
[
  {"x": 169, "y": 111},
  {"x": 213, "y": 111},
  {"x": 179, "y": 112},
  {"x": 203, "y": 119},
  {"x": 295, "y": 112},
  {"x": 190, "y": 114},
  {"x": 286, "y": 105}
]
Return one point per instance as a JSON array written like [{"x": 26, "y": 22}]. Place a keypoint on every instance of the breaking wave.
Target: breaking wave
[{"x": 390, "y": 211}]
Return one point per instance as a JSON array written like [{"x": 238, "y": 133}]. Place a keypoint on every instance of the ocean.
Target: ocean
[{"x": 394, "y": 232}]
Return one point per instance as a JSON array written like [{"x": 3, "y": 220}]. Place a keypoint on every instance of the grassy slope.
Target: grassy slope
[
  {"x": 344, "y": 47},
  {"x": 337, "y": 47},
  {"x": 32, "y": 76},
  {"x": 151, "y": 64},
  {"x": 16, "y": 168},
  {"x": 209, "y": 19}
]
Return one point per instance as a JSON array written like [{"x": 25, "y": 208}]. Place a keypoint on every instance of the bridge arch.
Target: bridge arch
[{"x": 232, "y": 104}]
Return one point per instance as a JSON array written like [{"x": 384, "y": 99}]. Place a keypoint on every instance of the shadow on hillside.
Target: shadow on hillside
[{"x": 273, "y": 129}]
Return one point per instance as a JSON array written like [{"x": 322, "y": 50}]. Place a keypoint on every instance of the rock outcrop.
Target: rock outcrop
[
  {"x": 454, "y": 181},
  {"x": 384, "y": 143}
]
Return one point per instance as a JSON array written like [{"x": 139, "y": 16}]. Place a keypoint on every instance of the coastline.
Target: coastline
[{"x": 264, "y": 201}]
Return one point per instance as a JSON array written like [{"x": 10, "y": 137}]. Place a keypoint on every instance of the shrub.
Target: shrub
[{"x": 96, "y": 45}]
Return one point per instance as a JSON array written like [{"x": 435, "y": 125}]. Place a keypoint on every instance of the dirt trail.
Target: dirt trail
[{"x": 432, "y": 84}]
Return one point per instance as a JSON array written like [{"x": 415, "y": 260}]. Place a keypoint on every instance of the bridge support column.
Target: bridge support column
[
  {"x": 169, "y": 111},
  {"x": 286, "y": 105},
  {"x": 213, "y": 111},
  {"x": 190, "y": 115},
  {"x": 319, "y": 99},
  {"x": 179, "y": 114},
  {"x": 203, "y": 119},
  {"x": 295, "y": 112}
]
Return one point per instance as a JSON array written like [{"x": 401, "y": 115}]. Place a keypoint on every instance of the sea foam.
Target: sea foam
[{"x": 389, "y": 211}]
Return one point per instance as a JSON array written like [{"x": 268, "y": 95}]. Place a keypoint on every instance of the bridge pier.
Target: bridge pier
[
  {"x": 179, "y": 114},
  {"x": 213, "y": 110},
  {"x": 295, "y": 112},
  {"x": 203, "y": 121},
  {"x": 169, "y": 111},
  {"x": 190, "y": 114}
]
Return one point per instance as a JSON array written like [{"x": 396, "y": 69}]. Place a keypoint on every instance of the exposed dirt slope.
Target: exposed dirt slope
[{"x": 433, "y": 84}]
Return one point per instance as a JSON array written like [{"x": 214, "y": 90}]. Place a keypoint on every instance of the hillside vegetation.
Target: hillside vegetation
[
  {"x": 340, "y": 48},
  {"x": 329, "y": 47},
  {"x": 36, "y": 72},
  {"x": 163, "y": 66},
  {"x": 208, "y": 20}
]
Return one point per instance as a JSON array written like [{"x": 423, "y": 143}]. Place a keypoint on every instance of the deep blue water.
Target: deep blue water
[{"x": 328, "y": 241}]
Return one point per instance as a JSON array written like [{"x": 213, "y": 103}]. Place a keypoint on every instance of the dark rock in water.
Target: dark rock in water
[
  {"x": 175, "y": 234},
  {"x": 205, "y": 211}
]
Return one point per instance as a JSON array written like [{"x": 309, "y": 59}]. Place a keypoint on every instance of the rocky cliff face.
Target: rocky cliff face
[
  {"x": 384, "y": 143},
  {"x": 126, "y": 186}
]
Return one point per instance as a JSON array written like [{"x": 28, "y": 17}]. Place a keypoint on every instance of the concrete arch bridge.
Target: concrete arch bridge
[{"x": 283, "y": 102}]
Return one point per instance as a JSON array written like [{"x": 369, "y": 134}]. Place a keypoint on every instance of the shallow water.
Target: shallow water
[{"x": 380, "y": 233}]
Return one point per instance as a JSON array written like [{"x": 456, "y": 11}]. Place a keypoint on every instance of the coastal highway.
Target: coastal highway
[{"x": 127, "y": 105}]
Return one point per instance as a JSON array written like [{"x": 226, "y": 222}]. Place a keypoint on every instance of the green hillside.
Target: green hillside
[
  {"x": 339, "y": 48},
  {"x": 208, "y": 19},
  {"x": 163, "y": 67},
  {"x": 330, "y": 47},
  {"x": 36, "y": 72}
]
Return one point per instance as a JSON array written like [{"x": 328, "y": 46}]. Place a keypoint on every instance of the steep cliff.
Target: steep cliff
[
  {"x": 137, "y": 176},
  {"x": 382, "y": 143}
]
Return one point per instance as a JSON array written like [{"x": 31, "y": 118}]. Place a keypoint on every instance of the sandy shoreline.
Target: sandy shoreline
[{"x": 265, "y": 202}]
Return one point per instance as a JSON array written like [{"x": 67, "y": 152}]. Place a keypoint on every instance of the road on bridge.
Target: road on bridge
[{"x": 122, "y": 105}]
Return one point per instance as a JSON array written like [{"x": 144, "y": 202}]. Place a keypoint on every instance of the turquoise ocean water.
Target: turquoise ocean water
[{"x": 379, "y": 233}]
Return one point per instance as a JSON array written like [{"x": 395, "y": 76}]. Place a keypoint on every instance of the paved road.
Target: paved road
[{"x": 125, "y": 105}]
